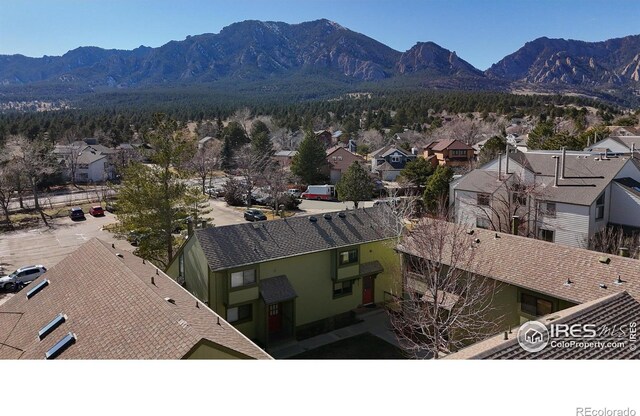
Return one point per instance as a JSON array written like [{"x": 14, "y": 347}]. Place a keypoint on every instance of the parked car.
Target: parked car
[
  {"x": 254, "y": 215},
  {"x": 21, "y": 277},
  {"x": 295, "y": 193},
  {"x": 76, "y": 213},
  {"x": 111, "y": 207},
  {"x": 215, "y": 191},
  {"x": 136, "y": 237},
  {"x": 96, "y": 211}
]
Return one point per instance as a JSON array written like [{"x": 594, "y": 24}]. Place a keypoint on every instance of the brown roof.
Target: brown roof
[
  {"x": 612, "y": 311},
  {"x": 441, "y": 145},
  {"x": 545, "y": 267},
  {"x": 115, "y": 311}
]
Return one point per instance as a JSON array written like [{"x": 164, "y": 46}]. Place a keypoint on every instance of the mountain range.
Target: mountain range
[{"x": 266, "y": 52}]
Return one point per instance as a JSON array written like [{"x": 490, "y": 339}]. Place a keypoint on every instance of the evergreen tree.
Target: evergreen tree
[
  {"x": 310, "y": 163},
  {"x": 152, "y": 198},
  {"x": 417, "y": 171},
  {"x": 355, "y": 185},
  {"x": 437, "y": 191}
]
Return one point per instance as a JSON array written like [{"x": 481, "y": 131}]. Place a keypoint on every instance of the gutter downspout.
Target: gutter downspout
[{"x": 555, "y": 177}]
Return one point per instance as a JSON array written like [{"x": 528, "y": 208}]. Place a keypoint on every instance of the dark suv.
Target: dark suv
[
  {"x": 254, "y": 215},
  {"x": 76, "y": 213}
]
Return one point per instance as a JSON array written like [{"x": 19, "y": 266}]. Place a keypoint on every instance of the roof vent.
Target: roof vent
[
  {"x": 496, "y": 236},
  {"x": 120, "y": 255},
  {"x": 342, "y": 215},
  {"x": 313, "y": 219},
  {"x": 604, "y": 259},
  {"x": 603, "y": 286},
  {"x": 327, "y": 216},
  {"x": 568, "y": 282},
  {"x": 477, "y": 241},
  {"x": 170, "y": 300},
  {"x": 256, "y": 226},
  {"x": 56, "y": 322},
  {"x": 60, "y": 346},
  {"x": 470, "y": 232},
  {"x": 619, "y": 281},
  {"x": 37, "y": 289}
]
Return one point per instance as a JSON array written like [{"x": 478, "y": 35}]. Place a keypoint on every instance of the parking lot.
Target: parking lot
[{"x": 47, "y": 246}]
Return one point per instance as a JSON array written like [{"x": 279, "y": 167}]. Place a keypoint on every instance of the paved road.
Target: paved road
[{"x": 54, "y": 200}]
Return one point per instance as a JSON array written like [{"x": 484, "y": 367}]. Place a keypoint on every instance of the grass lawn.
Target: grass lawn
[{"x": 364, "y": 346}]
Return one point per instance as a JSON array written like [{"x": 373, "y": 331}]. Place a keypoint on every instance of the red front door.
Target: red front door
[
  {"x": 275, "y": 318},
  {"x": 367, "y": 290}
]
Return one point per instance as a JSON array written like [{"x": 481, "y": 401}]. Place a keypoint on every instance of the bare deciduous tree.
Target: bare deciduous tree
[
  {"x": 206, "y": 160},
  {"x": 36, "y": 162},
  {"x": 516, "y": 197},
  {"x": 445, "y": 305},
  {"x": 251, "y": 166},
  {"x": 7, "y": 187},
  {"x": 611, "y": 239}
]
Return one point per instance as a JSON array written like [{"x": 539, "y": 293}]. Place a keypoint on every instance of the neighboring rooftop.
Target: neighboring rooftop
[
  {"x": 117, "y": 307},
  {"x": 572, "y": 274},
  {"x": 250, "y": 243},
  {"x": 614, "y": 312},
  {"x": 453, "y": 144}
]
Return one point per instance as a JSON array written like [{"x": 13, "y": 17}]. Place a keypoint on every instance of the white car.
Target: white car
[{"x": 21, "y": 277}]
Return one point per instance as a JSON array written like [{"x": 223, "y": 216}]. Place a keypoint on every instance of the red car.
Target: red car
[{"x": 96, "y": 211}]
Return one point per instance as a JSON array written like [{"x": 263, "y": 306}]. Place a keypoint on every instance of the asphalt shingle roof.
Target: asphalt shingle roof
[
  {"x": 241, "y": 244},
  {"x": 613, "y": 311},
  {"x": 115, "y": 310},
  {"x": 545, "y": 267},
  {"x": 276, "y": 289}
]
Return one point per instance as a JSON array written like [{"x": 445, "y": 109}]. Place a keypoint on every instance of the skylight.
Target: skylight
[
  {"x": 56, "y": 322},
  {"x": 60, "y": 346},
  {"x": 37, "y": 288}
]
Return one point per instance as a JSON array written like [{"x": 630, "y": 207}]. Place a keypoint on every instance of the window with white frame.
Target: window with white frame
[
  {"x": 395, "y": 158},
  {"x": 348, "y": 257},
  {"x": 239, "y": 313},
  {"x": 243, "y": 278},
  {"x": 342, "y": 288}
]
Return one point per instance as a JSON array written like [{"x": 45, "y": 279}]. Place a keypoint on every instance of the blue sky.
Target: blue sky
[{"x": 480, "y": 31}]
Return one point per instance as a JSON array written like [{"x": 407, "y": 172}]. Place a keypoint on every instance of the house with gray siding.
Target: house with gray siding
[{"x": 561, "y": 197}]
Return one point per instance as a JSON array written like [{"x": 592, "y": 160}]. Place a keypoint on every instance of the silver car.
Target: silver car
[{"x": 21, "y": 277}]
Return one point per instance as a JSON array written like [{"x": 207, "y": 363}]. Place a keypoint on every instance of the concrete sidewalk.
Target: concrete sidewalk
[{"x": 374, "y": 321}]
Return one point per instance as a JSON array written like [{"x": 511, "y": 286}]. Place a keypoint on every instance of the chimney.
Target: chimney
[
  {"x": 515, "y": 224},
  {"x": 564, "y": 159},
  {"x": 500, "y": 166},
  {"x": 623, "y": 252},
  {"x": 189, "y": 227},
  {"x": 506, "y": 165},
  {"x": 555, "y": 177}
]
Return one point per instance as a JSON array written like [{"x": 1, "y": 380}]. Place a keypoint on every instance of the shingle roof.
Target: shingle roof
[
  {"x": 242, "y": 244},
  {"x": 479, "y": 180},
  {"x": 585, "y": 177},
  {"x": 614, "y": 311},
  {"x": 369, "y": 268},
  {"x": 87, "y": 156},
  {"x": 545, "y": 267},
  {"x": 441, "y": 145},
  {"x": 116, "y": 312},
  {"x": 276, "y": 289}
]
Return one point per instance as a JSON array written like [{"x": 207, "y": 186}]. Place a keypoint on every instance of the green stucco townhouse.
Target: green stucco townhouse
[{"x": 271, "y": 278}]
